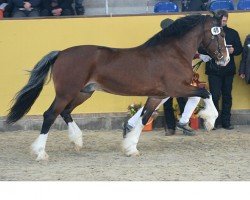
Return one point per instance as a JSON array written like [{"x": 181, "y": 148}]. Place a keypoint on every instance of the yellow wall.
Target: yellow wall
[{"x": 24, "y": 42}]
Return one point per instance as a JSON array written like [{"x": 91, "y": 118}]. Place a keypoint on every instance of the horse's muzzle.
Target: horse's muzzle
[{"x": 223, "y": 62}]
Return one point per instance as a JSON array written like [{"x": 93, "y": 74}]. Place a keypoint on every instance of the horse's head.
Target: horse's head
[{"x": 214, "y": 40}]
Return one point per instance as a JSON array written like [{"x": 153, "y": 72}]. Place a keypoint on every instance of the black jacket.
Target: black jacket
[
  {"x": 232, "y": 38},
  {"x": 245, "y": 61},
  {"x": 196, "y": 5},
  {"x": 19, "y": 3},
  {"x": 64, "y": 4},
  {"x": 7, "y": 9}
]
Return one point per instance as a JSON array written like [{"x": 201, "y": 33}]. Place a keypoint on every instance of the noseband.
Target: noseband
[
  {"x": 215, "y": 30},
  {"x": 217, "y": 52}
]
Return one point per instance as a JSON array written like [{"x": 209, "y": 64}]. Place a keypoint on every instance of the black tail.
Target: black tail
[{"x": 26, "y": 97}]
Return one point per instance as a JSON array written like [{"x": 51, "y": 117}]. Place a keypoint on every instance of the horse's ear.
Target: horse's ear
[
  {"x": 213, "y": 13},
  {"x": 218, "y": 18}
]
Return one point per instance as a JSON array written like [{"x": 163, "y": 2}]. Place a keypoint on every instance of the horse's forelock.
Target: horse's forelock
[{"x": 218, "y": 19}]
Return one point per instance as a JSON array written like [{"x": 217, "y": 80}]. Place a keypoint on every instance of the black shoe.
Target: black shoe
[
  {"x": 229, "y": 127},
  {"x": 187, "y": 130},
  {"x": 126, "y": 129},
  {"x": 169, "y": 132},
  {"x": 216, "y": 127}
]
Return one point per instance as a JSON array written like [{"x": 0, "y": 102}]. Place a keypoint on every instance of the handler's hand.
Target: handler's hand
[
  {"x": 242, "y": 76},
  {"x": 231, "y": 50},
  {"x": 205, "y": 58}
]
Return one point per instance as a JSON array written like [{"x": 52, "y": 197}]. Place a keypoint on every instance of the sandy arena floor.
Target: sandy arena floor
[{"x": 218, "y": 155}]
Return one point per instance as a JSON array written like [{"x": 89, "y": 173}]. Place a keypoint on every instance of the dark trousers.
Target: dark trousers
[
  {"x": 25, "y": 13},
  {"x": 222, "y": 86},
  {"x": 169, "y": 111},
  {"x": 65, "y": 12},
  {"x": 79, "y": 7}
]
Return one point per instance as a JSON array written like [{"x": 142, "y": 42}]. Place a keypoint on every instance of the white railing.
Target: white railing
[{"x": 107, "y": 7}]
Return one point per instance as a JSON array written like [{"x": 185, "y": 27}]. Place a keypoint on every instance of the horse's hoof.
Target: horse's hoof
[
  {"x": 43, "y": 156},
  {"x": 189, "y": 133},
  {"x": 208, "y": 126},
  {"x": 136, "y": 154},
  {"x": 77, "y": 147},
  {"x": 133, "y": 154}
]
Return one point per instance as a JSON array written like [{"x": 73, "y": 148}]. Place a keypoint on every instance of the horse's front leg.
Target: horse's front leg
[
  {"x": 209, "y": 113},
  {"x": 130, "y": 124},
  {"x": 137, "y": 123}
]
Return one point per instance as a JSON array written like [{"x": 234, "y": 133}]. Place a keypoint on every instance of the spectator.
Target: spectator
[
  {"x": 195, "y": 5},
  {"x": 79, "y": 7},
  {"x": 168, "y": 105},
  {"x": 184, "y": 5},
  {"x": 3, "y": 5},
  {"x": 169, "y": 114},
  {"x": 57, "y": 8},
  {"x": 244, "y": 70},
  {"x": 6, "y": 7},
  {"x": 221, "y": 78},
  {"x": 187, "y": 106},
  {"x": 192, "y": 102},
  {"x": 27, "y": 8}
]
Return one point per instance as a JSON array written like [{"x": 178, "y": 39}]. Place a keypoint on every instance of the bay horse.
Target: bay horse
[{"x": 159, "y": 68}]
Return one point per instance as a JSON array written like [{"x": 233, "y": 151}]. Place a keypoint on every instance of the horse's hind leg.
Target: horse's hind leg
[
  {"x": 130, "y": 141},
  {"x": 38, "y": 147},
  {"x": 75, "y": 134}
]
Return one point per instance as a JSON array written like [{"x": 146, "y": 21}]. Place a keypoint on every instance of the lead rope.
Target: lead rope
[{"x": 197, "y": 66}]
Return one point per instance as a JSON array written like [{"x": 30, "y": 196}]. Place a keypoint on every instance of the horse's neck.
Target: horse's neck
[{"x": 191, "y": 41}]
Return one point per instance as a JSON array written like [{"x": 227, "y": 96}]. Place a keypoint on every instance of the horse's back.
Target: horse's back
[{"x": 75, "y": 66}]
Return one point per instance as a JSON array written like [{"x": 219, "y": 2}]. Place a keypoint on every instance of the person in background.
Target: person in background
[
  {"x": 184, "y": 5},
  {"x": 3, "y": 5},
  {"x": 5, "y": 8},
  {"x": 170, "y": 119},
  {"x": 168, "y": 105},
  {"x": 221, "y": 78},
  {"x": 244, "y": 70},
  {"x": 27, "y": 8},
  {"x": 57, "y": 8},
  {"x": 79, "y": 7},
  {"x": 195, "y": 5}
]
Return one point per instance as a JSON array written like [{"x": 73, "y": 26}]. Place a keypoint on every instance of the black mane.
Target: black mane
[{"x": 179, "y": 28}]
